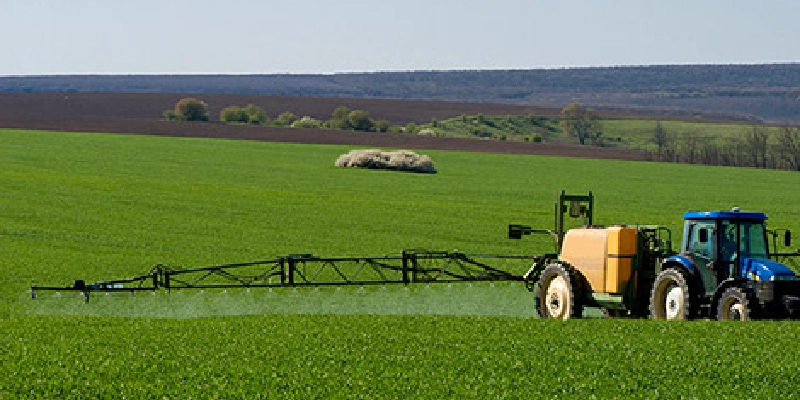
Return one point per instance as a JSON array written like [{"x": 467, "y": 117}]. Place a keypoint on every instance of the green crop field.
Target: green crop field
[{"x": 95, "y": 206}]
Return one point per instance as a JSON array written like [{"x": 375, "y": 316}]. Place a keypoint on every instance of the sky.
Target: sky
[{"x": 56, "y": 37}]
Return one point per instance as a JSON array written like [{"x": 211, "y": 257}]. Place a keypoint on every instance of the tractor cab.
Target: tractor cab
[{"x": 726, "y": 245}]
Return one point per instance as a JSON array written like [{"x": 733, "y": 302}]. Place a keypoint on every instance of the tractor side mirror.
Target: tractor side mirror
[
  {"x": 787, "y": 238},
  {"x": 703, "y": 235}
]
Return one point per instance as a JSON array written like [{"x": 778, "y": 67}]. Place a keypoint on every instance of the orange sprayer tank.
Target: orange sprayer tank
[{"x": 603, "y": 255}]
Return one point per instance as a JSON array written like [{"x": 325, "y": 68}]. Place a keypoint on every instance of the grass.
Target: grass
[
  {"x": 92, "y": 206},
  {"x": 638, "y": 133},
  {"x": 103, "y": 205},
  {"x": 416, "y": 356}
]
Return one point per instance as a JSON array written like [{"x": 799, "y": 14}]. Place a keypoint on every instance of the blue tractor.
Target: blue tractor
[{"x": 723, "y": 270}]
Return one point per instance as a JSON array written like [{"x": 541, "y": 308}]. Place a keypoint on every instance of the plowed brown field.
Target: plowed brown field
[{"x": 140, "y": 113}]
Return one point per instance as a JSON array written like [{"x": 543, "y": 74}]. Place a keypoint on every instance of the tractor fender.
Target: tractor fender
[
  {"x": 679, "y": 260},
  {"x": 531, "y": 278},
  {"x": 685, "y": 264},
  {"x": 580, "y": 279}
]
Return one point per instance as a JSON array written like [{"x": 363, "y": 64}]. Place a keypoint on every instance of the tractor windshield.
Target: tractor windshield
[{"x": 752, "y": 240}]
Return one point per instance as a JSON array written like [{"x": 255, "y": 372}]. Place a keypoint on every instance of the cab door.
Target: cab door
[{"x": 701, "y": 247}]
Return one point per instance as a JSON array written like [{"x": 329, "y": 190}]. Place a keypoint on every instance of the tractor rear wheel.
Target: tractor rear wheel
[
  {"x": 737, "y": 304},
  {"x": 558, "y": 293},
  {"x": 671, "y": 297}
]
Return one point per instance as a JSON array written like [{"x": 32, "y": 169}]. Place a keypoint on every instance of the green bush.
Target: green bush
[
  {"x": 307, "y": 122},
  {"x": 286, "y": 118},
  {"x": 169, "y": 115},
  {"x": 338, "y": 124},
  {"x": 360, "y": 120},
  {"x": 256, "y": 115},
  {"x": 233, "y": 114},
  {"x": 533, "y": 138},
  {"x": 251, "y": 114},
  {"x": 191, "y": 109},
  {"x": 382, "y": 125}
]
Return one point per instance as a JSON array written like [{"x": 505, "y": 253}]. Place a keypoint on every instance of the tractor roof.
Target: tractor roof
[{"x": 732, "y": 214}]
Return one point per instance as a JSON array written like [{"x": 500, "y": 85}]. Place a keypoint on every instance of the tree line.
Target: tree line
[
  {"x": 342, "y": 118},
  {"x": 758, "y": 147}
]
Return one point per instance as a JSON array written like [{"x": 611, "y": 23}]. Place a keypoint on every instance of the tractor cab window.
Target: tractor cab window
[
  {"x": 728, "y": 241},
  {"x": 701, "y": 243},
  {"x": 753, "y": 240}
]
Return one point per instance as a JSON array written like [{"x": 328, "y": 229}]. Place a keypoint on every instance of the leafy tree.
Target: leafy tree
[
  {"x": 580, "y": 122},
  {"x": 340, "y": 112},
  {"x": 359, "y": 120},
  {"x": 339, "y": 119},
  {"x": 191, "y": 109}
]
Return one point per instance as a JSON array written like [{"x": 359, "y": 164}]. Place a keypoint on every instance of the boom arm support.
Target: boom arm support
[{"x": 308, "y": 270}]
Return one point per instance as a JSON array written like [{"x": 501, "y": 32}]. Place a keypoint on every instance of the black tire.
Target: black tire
[
  {"x": 558, "y": 293},
  {"x": 737, "y": 304},
  {"x": 672, "y": 297}
]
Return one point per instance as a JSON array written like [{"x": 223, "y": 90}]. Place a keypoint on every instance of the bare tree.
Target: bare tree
[
  {"x": 708, "y": 153},
  {"x": 756, "y": 146},
  {"x": 660, "y": 137},
  {"x": 735, "y": 154},
  {"x": 671, "y": 151},
  {"x": 789, "y": 139},
  {"x": 691, "y": 146},
  {"x": 583, "y": 123}
]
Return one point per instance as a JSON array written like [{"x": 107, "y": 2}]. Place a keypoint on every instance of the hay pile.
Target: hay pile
[{"x": 402, "y": 160}]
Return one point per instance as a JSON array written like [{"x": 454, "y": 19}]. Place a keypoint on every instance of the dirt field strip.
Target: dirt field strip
[{"x": 133, "y": 113}]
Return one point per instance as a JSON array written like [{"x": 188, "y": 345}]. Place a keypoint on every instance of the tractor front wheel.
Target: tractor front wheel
[
  {"x": 671, "y": 298},
  {"x": 737, "y": 304},
  {"x": 558, "y": 293}
]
